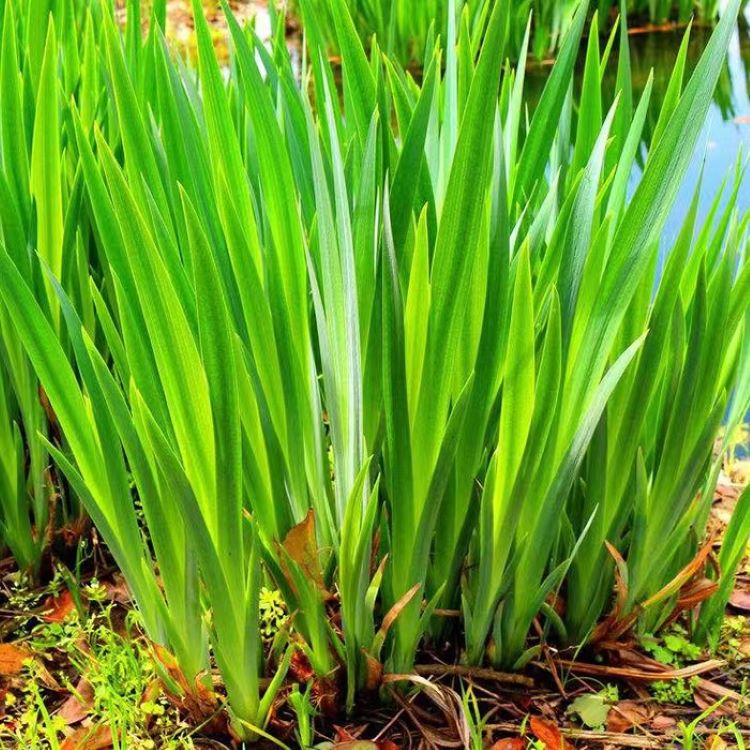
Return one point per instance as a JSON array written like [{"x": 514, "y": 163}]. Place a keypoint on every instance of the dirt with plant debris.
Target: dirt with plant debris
[{"x": 75, "y": 657}]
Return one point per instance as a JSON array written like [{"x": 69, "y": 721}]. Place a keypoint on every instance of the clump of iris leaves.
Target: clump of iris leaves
[
  {"x": 407, "y": 30},
  {"x": 386, "y": 348}
]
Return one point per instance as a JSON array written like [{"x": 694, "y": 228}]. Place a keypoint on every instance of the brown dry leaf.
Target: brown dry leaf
[
  {"x": 300, "y": 667},
  {"x": 454, "y": 728},
  {"x": 196, "y": 700},
  {"x": 71, "y": 533},
  {"x": 89, "y": 738},
  {"x": 740, "y": 599},
  {"x": 509, "y": 743},
  {"x": 397, "y": 609},
  {"x": 57, "y": 608},
  {"x": 626, "y": 715},
  {"x": 662, "y": 723},
  {"x": 76, "y": 708},
  {"x": 44, "y": 401},
  {"x": 650, "y": 671},
  {"x": 12, "y": 657},
  {"x": 374, "y": 673},
  {"x": 365, "y": 745},
  {"x": 45, "y": 677},
  {"x": 343, "y": 735},
  {"x": 697, "y": 592},
  {"x": 302, "y": 546},
  {"x": 171, "y": 668},
  {"x": 716, "y": 743},
  {"x": 548, "y": 733},
  {"x": 118, "y": 591},
  {"x": 326, "y": 697},
  {"x": 706, "y": 699}
]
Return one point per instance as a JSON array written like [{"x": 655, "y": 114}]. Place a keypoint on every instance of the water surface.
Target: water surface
[{"x": 726, "y": 133}]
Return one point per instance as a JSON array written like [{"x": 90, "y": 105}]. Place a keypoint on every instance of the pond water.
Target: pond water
[
  {"x": 727, "y": 130},
  {"x": 726, "y": 133}
]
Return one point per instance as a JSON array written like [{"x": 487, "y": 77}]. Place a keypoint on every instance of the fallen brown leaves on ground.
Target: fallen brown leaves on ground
[
  {"x": 77, "y": 706},
  {"x": 89, "y": 738},
  {"x": 57, "y": 608},
  {"x": 548, "y": 733},
  {"x": 627, "y": 714},
  {"x": 12, "y": 657},
  {"x": 509, "y": 743},
  {"x": 740, "y": 598},
  {"x": 345, "y": 740}
]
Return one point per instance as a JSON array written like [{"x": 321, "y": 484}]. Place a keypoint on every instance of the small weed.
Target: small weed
[
  {"x": 673, "y": 649},
  {"x": 106, "y": 665},
  {"x": 305, "y": 713},
  {"x": 688, "y": 736},
  {"x": 733, "y": 643},
  {"x": 674, "y": 691},
  {"x": 476, "y": 721}
]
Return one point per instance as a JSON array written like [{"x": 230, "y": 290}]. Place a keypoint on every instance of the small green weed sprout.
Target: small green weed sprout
[
  {"x": 674, "y": 691},
  {"x": 475, "y": 718},
  {"x": 673, "y": 649},
  {"x": 105, "y": 663},
  {"x": 688, "y": 732},
  {"x": 304, "y": 711}
]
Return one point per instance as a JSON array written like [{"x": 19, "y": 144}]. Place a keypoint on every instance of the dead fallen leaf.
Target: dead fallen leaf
[
  {"x": 76, "y": 708},
  {"x": 716, "y": 743},
  {"x": 12, "y": 657},
  {"x": 326, "y": 696},
  {"x": 374, "y": 673},
  {"x": 300, "y": 667},
  {"x": 44, "y": 401},
  {"x": 626, "y": 715},
  {"x": 302, "y": 547},
  {"x": 89, "y": 738},
  {"x": 740, "y": 599},
  {"x": 706, "y": 699},
  {"x": 365, "y": 745},
  {"x": 57, "y": 608},
  {"x": 509, "y": 743},
  {"x": 45, "y": 677},
  {"x": 343, "y": 735},
  {"x": 392, "y": 615},
  {"x": 548, "y": 733},
  {"x": 192, "y": 698},
  {"x": 696, "y": 592},
  {"x": 118, "y": 591},
  {"x": 662, "y": 723}
]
